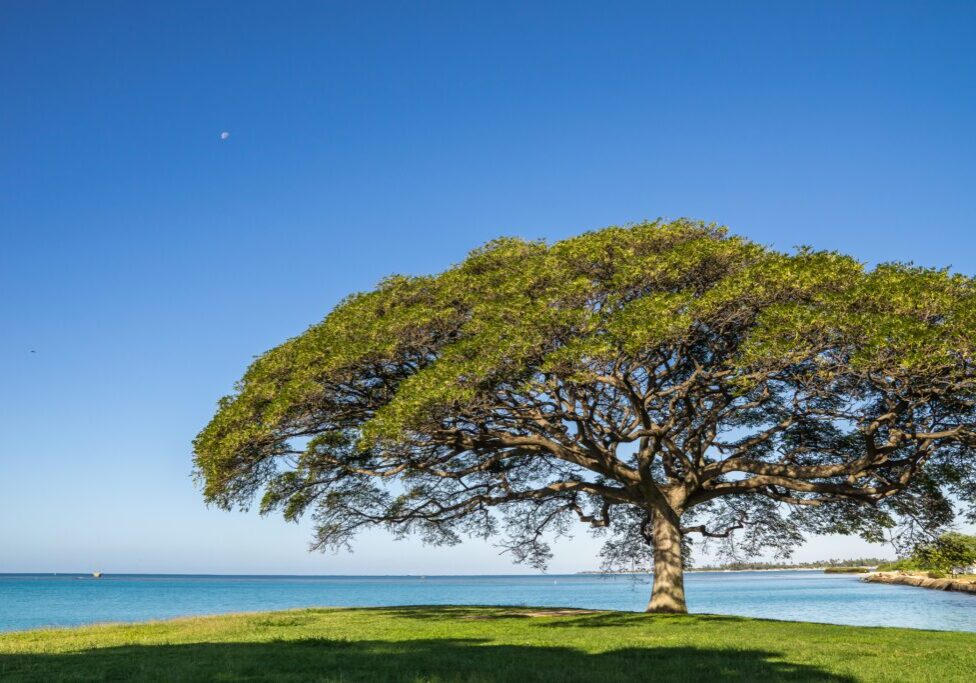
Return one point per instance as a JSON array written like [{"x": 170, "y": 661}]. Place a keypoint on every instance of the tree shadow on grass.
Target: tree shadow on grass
[
  {"x": 448, "y": 612},
  {"x": 440, "y": 660},
  {"x": 611, "y": 619},
  {"x": 563, "y": 617}
]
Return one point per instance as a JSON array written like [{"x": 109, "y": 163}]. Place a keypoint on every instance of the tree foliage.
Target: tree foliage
[
  {"x": 948, "y": 551},
  {"x": 663, "y": 371}
]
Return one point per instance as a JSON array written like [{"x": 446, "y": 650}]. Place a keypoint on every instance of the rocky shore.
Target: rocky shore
[{"x": 906, "y": 579}]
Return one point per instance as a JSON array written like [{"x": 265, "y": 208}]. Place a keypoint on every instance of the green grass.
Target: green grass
[{"x": 483, "y": 644}]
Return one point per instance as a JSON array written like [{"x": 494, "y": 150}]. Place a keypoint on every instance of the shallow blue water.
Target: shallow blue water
[{"x": 33, "y": 600}]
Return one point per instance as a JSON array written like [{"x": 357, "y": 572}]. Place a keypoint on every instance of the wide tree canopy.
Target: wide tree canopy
[{"x": 658, "y": 382}]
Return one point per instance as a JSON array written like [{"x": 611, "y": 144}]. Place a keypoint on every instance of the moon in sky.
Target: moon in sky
[{"x": 224, "y": 135}]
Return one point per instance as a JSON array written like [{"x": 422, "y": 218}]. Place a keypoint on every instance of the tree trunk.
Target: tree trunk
[{"x": 668, "y": 594}]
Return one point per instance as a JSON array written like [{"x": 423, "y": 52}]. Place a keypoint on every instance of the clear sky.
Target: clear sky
[{"x": 144, "y": 260}]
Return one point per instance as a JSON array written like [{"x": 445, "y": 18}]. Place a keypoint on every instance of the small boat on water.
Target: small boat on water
[{"x": 96, "y": 575}]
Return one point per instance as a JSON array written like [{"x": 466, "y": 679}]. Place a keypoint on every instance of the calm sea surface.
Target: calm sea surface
[{"x": 33, "y": 600}]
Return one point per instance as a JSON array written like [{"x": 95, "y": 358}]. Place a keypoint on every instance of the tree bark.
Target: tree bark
[{"x": 668, "y": 593}]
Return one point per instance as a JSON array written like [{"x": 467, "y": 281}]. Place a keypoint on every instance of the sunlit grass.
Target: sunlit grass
[{"x": 486, "y": 645}]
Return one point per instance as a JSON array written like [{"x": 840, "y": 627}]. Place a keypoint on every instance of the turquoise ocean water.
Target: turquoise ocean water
[{"x": 35, "y": 600}]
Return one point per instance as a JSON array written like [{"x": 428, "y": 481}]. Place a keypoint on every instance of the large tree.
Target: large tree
[{"x": 654, "y": 381}]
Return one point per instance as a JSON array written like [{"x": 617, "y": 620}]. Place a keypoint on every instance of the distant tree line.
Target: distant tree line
[{"x": 819, "y": 564}]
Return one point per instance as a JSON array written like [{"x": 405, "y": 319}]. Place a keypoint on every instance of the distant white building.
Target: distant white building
[{"x": 971, "y": 569}]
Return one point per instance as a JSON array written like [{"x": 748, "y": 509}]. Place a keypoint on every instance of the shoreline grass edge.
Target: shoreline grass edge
[{"x": 465, "y": 643}]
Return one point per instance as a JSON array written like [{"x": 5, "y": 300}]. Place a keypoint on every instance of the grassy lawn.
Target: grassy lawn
[{"x": 484, "y": 644}]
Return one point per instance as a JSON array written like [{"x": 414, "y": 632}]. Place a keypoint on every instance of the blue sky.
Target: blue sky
[{"x": 145, "y": 261}]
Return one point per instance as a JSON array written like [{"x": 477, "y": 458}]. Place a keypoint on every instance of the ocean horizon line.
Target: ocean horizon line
[{"x": 104, "y": 575}]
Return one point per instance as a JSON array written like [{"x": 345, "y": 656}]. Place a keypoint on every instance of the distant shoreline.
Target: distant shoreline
[
  {"x": 164, "y": 575},
  {"x": 709, "y": 571},
  {"x": 917, "y": 581}
]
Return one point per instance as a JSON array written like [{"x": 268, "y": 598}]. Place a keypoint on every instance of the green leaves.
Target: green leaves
[
  {"x": 515, "y": 308},
  {"x": 947, "y": 552},
  {"x": 530, "y": 364}
]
